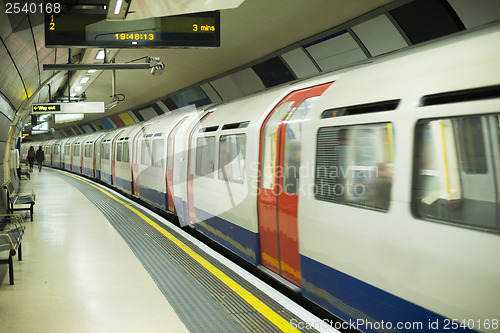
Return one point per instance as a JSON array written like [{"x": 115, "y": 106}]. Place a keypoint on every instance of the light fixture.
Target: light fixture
[
  {"x": 100, "y": 55},
  {"x": 66, "y": 118},
  {"x": 117, "y": 9},
  {"x": 78, "y": 88},
  {"x": 84, "y": 80},
  {"x": 92, "y": 71},
  {"x": 118, "y": 6}
]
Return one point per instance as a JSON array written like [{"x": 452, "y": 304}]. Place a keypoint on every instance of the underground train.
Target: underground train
[{"x": 375, "y": 188}]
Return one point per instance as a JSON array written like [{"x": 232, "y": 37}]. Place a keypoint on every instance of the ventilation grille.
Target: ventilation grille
[
  {"x": 327, "y": 163},
  {"x": 388, "y": 105},
  {"x": 242, "y": 124},
  {"x": 209, "y": 129},
  {"x": 458, "y": 96}
]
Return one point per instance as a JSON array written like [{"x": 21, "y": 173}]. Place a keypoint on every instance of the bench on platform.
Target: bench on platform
[
  {"x": 17, "y": 201},
  {"x": 12, "y": 229},
  {"x": 23, "y": 172}
]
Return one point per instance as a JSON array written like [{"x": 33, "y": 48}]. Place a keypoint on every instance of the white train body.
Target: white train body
[{"x": 373, "y": 188}]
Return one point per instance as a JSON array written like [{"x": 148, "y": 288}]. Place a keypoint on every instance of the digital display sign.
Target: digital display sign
[
  {"x": 63, "y": 108},
  {"x": 46, "y": 108},
  {"x": 89, "y": 28}
]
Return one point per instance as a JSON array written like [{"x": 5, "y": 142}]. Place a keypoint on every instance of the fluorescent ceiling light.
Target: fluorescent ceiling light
[
  {"x": 78, "y": 88},
  {"x": 100, "y": 55},
  {"x": 118, "y": 7},
  {"x": 73, "y": 95},
  {"x": 91, "y": 71},
  {"x": 65, "y": 118},
  {"x": 84, "y": 80}
]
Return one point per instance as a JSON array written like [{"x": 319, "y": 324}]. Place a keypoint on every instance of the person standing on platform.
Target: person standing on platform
[
  {"x": 40, "y": 157},
  {"x": 31, "y": 157}
]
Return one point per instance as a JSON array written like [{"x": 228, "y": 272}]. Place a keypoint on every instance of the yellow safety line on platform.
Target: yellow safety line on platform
[{"x": 257, "y": 304}]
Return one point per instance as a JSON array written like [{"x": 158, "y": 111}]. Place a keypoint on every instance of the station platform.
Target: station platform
[{"x": 95, "y": 261}]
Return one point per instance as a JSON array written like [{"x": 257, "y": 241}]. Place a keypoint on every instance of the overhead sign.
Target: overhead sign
[
  {"x": 47, "y": 108},
  {"x": 89, "y": 28},
  {"x": 61, "y": 108}
]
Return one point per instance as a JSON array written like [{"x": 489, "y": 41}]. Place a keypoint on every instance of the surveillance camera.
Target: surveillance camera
[
  {"x": 158, "y": 68},
  {"x": 111, "y": 105}
]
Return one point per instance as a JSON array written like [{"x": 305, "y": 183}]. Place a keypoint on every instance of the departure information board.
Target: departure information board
[{"x": 89, "y": 28}]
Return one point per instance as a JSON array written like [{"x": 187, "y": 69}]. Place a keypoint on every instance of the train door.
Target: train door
[
  {"x": 136, "y": 144},
  {"x": 280, "y": 144},
  {"x": 113, "y": 157},
  {"x": 189, "y": 217},
  {"x": 170, "y": 164}
]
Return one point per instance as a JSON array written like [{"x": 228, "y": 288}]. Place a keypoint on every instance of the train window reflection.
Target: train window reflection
[
  {"x": 158, "y": 152},
  {"x": 269, "y": 145},
  {"x": 457, "y": 168},
  {"x": 354, "y": 165},
  {"x": 205, "y": 156},
  {"x": 145, "y": 152},
  {"x": 125, "y": 154},
  {"x": 232, "y": 157},
  {"x": 119, "y": 149}
]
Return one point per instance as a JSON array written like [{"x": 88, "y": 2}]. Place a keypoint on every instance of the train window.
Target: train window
[
  {"x": 158, "y": 152},
  {"x": 354, "y": 165},
  {"x": 205, "y": 155},
  {"x": 119, "y": 150},
  {"x": 106, "y": 150},
  {"x": 145, "y": 152},
  {"x": 125, "y": 153},
  {"x": 457, "y": 168},
  {"x": 232, "y": 157},
  {"x": 76, "y": 150},
  {"x": 268, "y": 157},
  {"x": 471, "y": 143},
  {"x": 292, "y": 146}
]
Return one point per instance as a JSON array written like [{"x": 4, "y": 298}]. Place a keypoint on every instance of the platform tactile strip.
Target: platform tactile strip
[{"x": 212, "y": 308}]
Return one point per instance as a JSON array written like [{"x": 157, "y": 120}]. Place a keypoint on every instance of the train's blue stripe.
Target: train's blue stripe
[
  {"x": 239, "y": 240},
  {"x": 351, "y": 299},
  {"x": 106, "y": 177},
  {"x": 181, "y": 209},
  {"x": 89, "y": 172},
  {"x": 124, "y": 184},
  {"x": 154, "y": 197}
]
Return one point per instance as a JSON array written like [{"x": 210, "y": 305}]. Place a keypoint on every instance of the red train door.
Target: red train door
[
  {"x": 170, "y": 164},
  {"x": 277, "y": 203}
]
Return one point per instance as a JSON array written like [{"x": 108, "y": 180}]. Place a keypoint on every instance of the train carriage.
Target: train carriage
[
  {"x": 177, "y": 161},
  {"x": 394, "y": 249},
  {"x": 68, "y": 153},
  {"x": 58, "y": 153},
  {"x": 24, "y": 151},
  {"x": 91, "y": 155},
  {"x": 122, "y": 167},
  {"x": 108, "y": 155},
  {"x": 47, "y": 147},
  {"x": 150, "y": 162},
  {"x": 78, "y": 153},
  {"x": 374, "y": 188}
]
